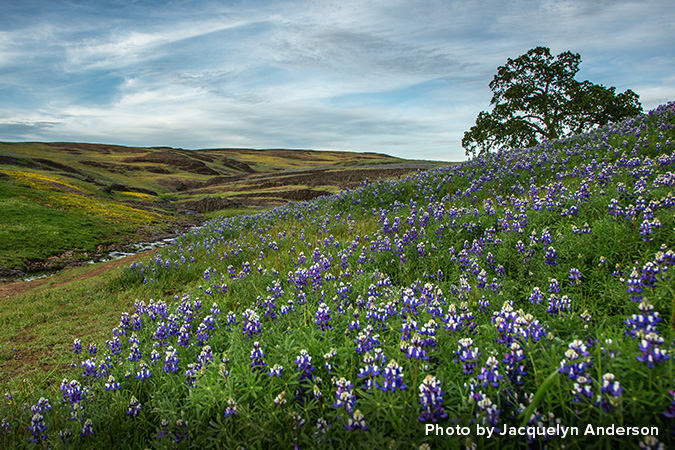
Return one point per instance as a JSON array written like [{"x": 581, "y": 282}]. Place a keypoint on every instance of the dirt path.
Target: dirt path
[{"x": 15, "y": 288}]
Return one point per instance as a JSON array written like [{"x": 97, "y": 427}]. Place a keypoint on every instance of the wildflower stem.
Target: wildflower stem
[{"x": 538, "y": 396}]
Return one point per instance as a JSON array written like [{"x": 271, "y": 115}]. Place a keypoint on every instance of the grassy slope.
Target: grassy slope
[
  {"x": 478, "y": 204},
  {"x": 57, "y": 198}
]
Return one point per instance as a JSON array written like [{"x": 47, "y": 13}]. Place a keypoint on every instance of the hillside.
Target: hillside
[
  {"x": 522, "y": 299},
  {"x": 65, "y": 203}
]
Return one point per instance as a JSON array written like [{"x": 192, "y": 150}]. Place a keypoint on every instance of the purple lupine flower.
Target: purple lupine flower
[
  {"x": 467, "y": 356},
  {"x": 344, "y": 397},
  {"x": 208, "y": 324},
  {"x": 275, "y": 371},
  {"x": 136, "y": 321},
  {"x": 134, "y": 407},
  {"x": 577, "y": 360},
  {"x": 323, "y": 317},
  {"x": 393, "y": 378},
  {"x": 488, "y": 411},
  {"x": 528, "y": 328},
  {"x": 191, "y": 375},
  {"x": 356, "y": 422},
  {"x": 489, "y": 374},
  {"x": 215, "y": 311},
  {"x": 634, "y": 286},
  {"x": 154, "y": 356},
  {"x": 90, "y": 368},
  {"x": 134, "y": 353},
  {"x": 87, "y": 428},
  {"x": 231, "y": 319},
  {"x": 143, "y": 372},
  {"x": 258, "y": 363},
  {"x": 652, "y": 354},
  {"x": 481, "y": 279},
  {"x": 170, "y": 360},
  {"x": 164, "y": 429},
  {"x": 321, "y": 430},
  {"x": 112, "y": 384},
  {"x": 536, "y": 297},
  {"x": 415, "y": 348},
  {"x": 610, "y": 392},
  {"x": 269, "y": 304},
  {"x": 5, "y": 426},
  {"x": 553, "y": 286},
  {"x": 515, "y": 369},
  {"x": 520, "y": 246},
  {"x": 582, "y": 389},
  {"x": 429, "y": 330},
  {"x": 649, "y": 273},
  {"x": 650, "y": 442},
  {"x": 252, "y": 325},
  {"x": 114, "y": 345},
  {"x": 205, "y": 357},
  {"x": 647, "y": 228},
  {"x": 93, "y": 349},
  {"x": 646, "y": 322},
  {"x": 185, "y": 431},
  {"x": 37, "y": 428},
  {"x": 575, "y": 277},
  {"x": 551, "y": 256},
  {"x": 77, "y": 346},
  {"x": 328, "y": 358},
  {"x": 407, "y": 328},
  {"x": 557, "y": 306},
  {"x": 370, "y": 371},
  {"x": 483, "y": 304},
  {"x": 355, "y": 324},
  {"x": 231, "y": 409},
  {"x": 431, "y": 399},
  {"x": 546, "y": 236},
  {"x": 42, "y": 406},
  {"x": 72, "y": 391},
  {"x": 366, "y": 340},
  {"x": 304, "y": 363}
]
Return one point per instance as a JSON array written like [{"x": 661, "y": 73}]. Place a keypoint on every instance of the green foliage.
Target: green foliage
[
  {"x": 33, "y": 232},
  {"x": 536, "y": 97},
  {"x": 499, "y": 214}
]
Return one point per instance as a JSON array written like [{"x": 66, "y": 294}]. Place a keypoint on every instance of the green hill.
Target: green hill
[{"x": 64, "y": 203}]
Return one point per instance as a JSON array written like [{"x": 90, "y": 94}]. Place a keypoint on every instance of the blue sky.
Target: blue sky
[{"x": 405, "y": 78}]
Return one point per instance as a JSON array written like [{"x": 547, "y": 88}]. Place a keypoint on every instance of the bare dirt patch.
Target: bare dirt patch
[{"x": 188, "y": 164}]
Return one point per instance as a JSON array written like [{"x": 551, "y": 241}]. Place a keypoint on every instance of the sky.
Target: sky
[{"x": 401, "y": 77}]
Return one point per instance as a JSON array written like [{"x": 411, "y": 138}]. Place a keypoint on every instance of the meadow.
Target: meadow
[
  {"x": 527, "y": 291},
  {"x": 64, "y": 203}
]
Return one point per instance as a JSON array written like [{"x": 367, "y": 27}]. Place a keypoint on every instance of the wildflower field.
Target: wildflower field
[{"x": 522, "y": 299}]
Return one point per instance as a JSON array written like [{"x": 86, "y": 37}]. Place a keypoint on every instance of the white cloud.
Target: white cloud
[
  {"x": 125, "y": 48},
  {"x": 399, "y": 76}
]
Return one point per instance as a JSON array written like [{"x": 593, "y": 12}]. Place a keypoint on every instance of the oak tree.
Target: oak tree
[{"x": 535, "y": 97}]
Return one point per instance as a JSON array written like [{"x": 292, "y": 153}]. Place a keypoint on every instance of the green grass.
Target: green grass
[
  {"x": 32, "y": 232},
  {"x": 444, "y": 256},
  {"x": 36, "y": 327},
  {"x": 51, "y": 209}
]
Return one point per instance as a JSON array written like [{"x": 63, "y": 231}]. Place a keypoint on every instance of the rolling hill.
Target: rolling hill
[{"x": 64, "y": 203}]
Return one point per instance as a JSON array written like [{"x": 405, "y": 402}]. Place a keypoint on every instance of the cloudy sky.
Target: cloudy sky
[{"x": 403, "y": 77}]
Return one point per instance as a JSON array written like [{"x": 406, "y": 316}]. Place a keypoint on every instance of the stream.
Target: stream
[{"x": 136, "y": 248}]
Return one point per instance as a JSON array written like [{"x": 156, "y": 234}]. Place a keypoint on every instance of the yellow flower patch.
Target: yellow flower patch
[{"x": 84, "y": 204}]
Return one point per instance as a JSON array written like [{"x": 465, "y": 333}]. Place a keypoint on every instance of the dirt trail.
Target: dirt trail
[{"x": 15, "y": 288}]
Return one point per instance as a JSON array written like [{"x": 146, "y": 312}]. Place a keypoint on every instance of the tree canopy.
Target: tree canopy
[{"x": 536, "y": 97}]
